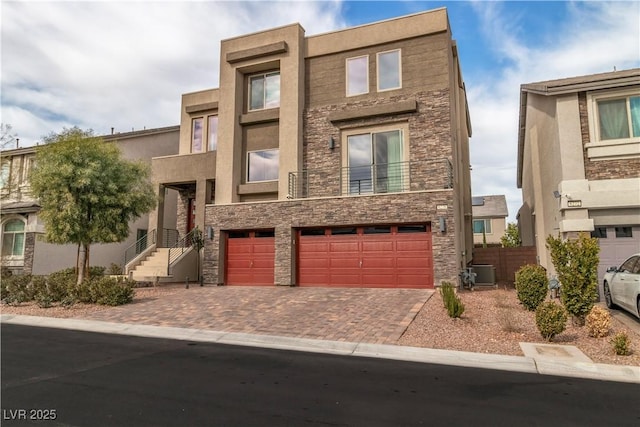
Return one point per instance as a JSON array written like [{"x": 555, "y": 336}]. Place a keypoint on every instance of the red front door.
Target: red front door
[{"x": 191, "y": 218}]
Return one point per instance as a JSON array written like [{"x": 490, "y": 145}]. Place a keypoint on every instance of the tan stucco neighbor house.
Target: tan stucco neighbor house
[
  {"x": 579, "y": 162},
  {"x": 339, "y": 159},
  {"x": 489, "y": 219},
  {"x": 23, "y": 251}
]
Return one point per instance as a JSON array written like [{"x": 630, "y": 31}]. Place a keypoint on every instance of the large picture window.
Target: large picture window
[
  {"x": 389, "y": 70},
  {"x": 13, "y": 238},
  {"x": 264, "y": 91},
  {"x": 357, "y": 75},
  {"x": 262, "y": 165},
  {"x": 619, "y": 118},
  {"x": 375, "y": 162}
]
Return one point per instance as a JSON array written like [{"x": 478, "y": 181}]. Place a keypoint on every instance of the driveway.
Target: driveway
[{"x": 339, "y": 314}]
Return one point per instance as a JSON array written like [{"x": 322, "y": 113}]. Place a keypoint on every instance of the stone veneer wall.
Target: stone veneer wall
[
  {"x": 29, "y": 249},
  {"x": 182, "y": 214},
  {"x": 608, "y": 169},
  {"x": 286, "y": 216}
]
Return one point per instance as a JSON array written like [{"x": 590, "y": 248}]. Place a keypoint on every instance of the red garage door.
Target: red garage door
[
  {"x": 250, "y": 257},
  {"x": 369, "y": 257}
]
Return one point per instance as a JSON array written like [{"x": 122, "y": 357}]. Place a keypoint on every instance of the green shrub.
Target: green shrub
[
  {"x": 115, "y": 269},
  {"x": 452, "y": 302},
  {"x": 18, "y": 289},
  {"x": 576, "y": 262},
  {"x": 44, "y": 300},
  {"x": 621, "y": 343},
  {"x": 96, "y": 271},
  {"x": 598, "y": 322},
  {"x": 106, "y": 291},
  {"x": 551, "y": 319},
  {"x": 532, "y": 285},
  {"x": 5, "y": 272}
]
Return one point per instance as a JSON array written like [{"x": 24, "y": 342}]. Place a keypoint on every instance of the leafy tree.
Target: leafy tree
[
  {"x": 576, "y": 263},
  {"x": 87, "y": 191},
  {"x": 511, "y": 237}
]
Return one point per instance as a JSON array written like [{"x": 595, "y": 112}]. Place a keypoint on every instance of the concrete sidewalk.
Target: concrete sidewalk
[{"x": 541, "y": 365}]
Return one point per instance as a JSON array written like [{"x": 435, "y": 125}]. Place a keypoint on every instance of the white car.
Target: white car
[{"x": 622, "y": 285}]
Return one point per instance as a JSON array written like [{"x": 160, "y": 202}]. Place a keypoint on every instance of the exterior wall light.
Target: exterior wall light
[
  {"x": 332, "y": 143},
  {"x": 443, "y": 224}
]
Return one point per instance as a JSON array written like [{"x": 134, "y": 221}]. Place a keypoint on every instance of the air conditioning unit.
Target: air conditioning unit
[{"x": 485, "y": 275}]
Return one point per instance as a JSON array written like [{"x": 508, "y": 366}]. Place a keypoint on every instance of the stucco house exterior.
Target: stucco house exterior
[
  {"x": 339, "y": 159},
  {"x": 489, "y": 219},
  {"x": 24, "y": 252},
  {"x": 579, "y": 162}
]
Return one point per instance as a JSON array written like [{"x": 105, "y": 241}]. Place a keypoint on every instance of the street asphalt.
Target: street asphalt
[{"x": 544, "y": 366}]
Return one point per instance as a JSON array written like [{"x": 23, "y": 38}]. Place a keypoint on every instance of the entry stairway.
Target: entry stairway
[{"x": 145, "y": 262}]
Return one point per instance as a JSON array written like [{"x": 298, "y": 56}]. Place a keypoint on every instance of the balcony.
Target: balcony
[{"x": 381, "y": 178}]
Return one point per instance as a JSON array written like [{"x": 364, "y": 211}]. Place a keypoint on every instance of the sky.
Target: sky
[{"x": 104, "y": 64}]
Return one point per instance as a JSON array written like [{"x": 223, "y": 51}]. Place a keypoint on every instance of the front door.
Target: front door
[{"x": 191, "y": 218}]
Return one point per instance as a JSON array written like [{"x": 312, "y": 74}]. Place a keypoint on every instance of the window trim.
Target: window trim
[
  {"x": 209, "y": 117},
  {"x": 609, "y": 149},
  {"x": 193, "y": 134},
  {"x": 346, "y": 71},
  {"x": 264, "y": 90},
  {"x": 378, "y": 74},
  {"x": 24, "y": 239},
  {"x": 248, "y": 181}
]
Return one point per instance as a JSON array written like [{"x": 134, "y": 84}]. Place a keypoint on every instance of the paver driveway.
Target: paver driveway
[{"x": 355, "y": 315}]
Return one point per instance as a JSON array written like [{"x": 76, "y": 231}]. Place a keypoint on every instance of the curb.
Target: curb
[{"x": 595, "y": 371}]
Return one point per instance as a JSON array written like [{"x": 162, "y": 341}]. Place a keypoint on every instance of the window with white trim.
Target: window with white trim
[
  {"x": 13, "y": 238},
  {"x": 357, "y": 75},
  {"x": 263, "y": 165},
  {"x": 614, "y": 124},
  {"x": 481, "y": 226},
  {"x": 389, "y": 70},
  {"x": 264, "y": 91}
]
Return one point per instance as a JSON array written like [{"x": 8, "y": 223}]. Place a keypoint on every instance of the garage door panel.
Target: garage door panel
[
  {"x": 250, "y": 260},
  {"x": 366, "y": 260}
]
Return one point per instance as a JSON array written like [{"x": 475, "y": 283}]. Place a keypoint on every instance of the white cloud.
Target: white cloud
[
  {"x": 593, "y": 39},
  {"x": 125, "y": 65}
]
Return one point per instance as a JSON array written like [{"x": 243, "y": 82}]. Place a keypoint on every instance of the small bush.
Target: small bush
[
  {"x": 44, "y": 300},
  {"x": 551, "y": 319},
  {"x": 598, "y": 322},
  {"x": 508, "y": 321},
  {"x": 96, "y": 271},
  {"x": 109, "y": 291},
  {"x": 452, "y": 302},
  {"x": 17, "y": 289},
  {"x": 532, "y": 285},
  {"x": 621, "y": 343},
  {"x": 115, "y": 269}
]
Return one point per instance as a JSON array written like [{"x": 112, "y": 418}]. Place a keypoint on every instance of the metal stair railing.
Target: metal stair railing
[
  {"x": 180, "y": 247},
  {"x": 139, "y": 246}
]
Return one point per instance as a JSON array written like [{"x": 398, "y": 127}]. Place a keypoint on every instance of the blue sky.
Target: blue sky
[{"x": 105, "y": 64}]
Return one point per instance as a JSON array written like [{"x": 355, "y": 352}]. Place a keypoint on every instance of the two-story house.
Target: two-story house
[
  {"x": 579, "y": 162},
  {"x": 24, "y": 252},
  {"x": 339, "y": 159},
  {"x": 489, "y": 219}
]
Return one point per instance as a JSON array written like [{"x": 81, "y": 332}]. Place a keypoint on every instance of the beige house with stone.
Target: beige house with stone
[
  {"x": 489, "y": 219},
  {"x": 579, "y": 163},
  {"x": 23, "y": 251},
  {"x": 339, "y": 159}
]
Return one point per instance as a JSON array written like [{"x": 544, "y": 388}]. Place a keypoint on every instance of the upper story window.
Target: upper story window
[
  {"x": 13, "y": 238},
  {"x": 389, "y": 70},
  {"x": 376, "y": 162},
  {"x": 263, "y": 165},
  {"x": 196, "y": 135},
  {"x": 619, "y": 118},
  {"x": 213, "y": 133},
  {"x": 482, "y": 226},
  {"x": 5, "y": 172},
  {"x": 264, "y": 91},
  {"x": 357, "y": 75}
]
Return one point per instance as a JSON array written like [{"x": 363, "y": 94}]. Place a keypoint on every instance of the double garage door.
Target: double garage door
[{"x": 376, "y": 256}]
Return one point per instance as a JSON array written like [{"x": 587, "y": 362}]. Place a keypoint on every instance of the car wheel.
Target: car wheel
[{"x": 607, "y": 296}]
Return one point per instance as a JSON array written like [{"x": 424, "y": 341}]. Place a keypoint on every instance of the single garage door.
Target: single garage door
[
  {"x": 616, "y": 245},
  {"x": 369, "y": 257},
  {"x": 250, "y": 257}
]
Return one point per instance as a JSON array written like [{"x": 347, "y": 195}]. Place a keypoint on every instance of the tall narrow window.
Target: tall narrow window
[
  {"x": 196, "y": 135},
  {"x": 264, "y": 91},
  {"x": 389, "y": 70},
  {"x": 262, "y": 165},
  {"x": 13, "y": 238},
  {"x": 357, "y": 75},
  {"x": 375, "y": 162},
  {"x": 213, "y": 133},
  {"x": 5, "y": 171}
]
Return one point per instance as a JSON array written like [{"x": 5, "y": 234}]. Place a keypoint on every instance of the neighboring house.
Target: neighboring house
[
  {"x": 579, "y": 163},
  {"x": 24, "y": 252},
  {"x": 489, "y": 219},
  {"x": 334, "y": 160}
]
